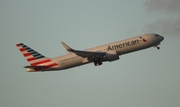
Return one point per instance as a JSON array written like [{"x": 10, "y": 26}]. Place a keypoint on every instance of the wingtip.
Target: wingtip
[{"x": 66, "y": 46}]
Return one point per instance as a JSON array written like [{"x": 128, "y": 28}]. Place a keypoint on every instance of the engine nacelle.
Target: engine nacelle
[{"x": 112, "y": 56}]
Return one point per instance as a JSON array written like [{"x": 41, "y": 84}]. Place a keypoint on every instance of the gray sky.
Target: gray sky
[{"x": 147, "y": 78}]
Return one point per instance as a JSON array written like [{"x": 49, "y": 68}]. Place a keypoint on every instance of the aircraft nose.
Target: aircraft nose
[{"x": 161, "y": 38}]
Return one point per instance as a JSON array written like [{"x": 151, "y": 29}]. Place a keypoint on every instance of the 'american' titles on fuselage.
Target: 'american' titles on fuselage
[{"x": 121, "y": 45}]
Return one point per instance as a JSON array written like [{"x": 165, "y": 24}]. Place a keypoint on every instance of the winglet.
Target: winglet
[{"x": 67, "y": 47}]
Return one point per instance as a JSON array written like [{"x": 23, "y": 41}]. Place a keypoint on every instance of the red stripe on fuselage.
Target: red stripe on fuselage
[
  {"x": 51, "y": 65},
  {"x": 41, "y": 62},
  {"x": 47, "y": 66}
]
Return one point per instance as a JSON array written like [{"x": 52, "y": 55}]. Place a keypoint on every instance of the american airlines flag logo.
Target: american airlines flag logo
[
  {"x": 35, "y": 58},
  {"x": 144, "y": 40}
]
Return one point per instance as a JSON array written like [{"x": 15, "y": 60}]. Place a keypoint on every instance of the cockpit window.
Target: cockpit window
[{"x": 156, "y": 35}]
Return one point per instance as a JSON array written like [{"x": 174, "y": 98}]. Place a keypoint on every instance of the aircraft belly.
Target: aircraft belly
[{"x": 76, "y": 61}]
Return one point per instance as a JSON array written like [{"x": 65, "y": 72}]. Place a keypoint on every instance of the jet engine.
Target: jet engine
[{"x": 112, "y": 56}]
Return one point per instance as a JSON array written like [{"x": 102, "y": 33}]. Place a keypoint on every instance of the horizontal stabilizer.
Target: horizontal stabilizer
[{"x": 35, "y": 67}]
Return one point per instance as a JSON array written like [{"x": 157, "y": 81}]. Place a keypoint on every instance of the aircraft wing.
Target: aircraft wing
[
  {"x": 84, "y": 54},
  {"x": 88, "y": 53}
]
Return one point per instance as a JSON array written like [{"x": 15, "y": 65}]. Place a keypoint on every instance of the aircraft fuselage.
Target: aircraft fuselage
[{"x": 121, "y": 47}]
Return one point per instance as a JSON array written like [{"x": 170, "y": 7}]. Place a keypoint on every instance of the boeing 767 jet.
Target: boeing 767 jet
[{"x": 97, "y": 55}]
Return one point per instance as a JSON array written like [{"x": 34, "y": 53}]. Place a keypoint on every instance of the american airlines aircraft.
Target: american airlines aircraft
[{"x": 97, "y": 55}]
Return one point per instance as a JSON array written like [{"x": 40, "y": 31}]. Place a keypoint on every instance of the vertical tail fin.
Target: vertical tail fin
[
  {"x": 30, "y": 54},
  {"x": 35, "y": 59}
]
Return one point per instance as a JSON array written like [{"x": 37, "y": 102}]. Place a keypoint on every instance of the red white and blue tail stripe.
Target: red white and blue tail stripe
[{"x": 37, "y": 61}]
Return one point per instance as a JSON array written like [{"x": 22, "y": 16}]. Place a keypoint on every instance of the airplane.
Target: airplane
[{"x": 97, "y": 55}]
